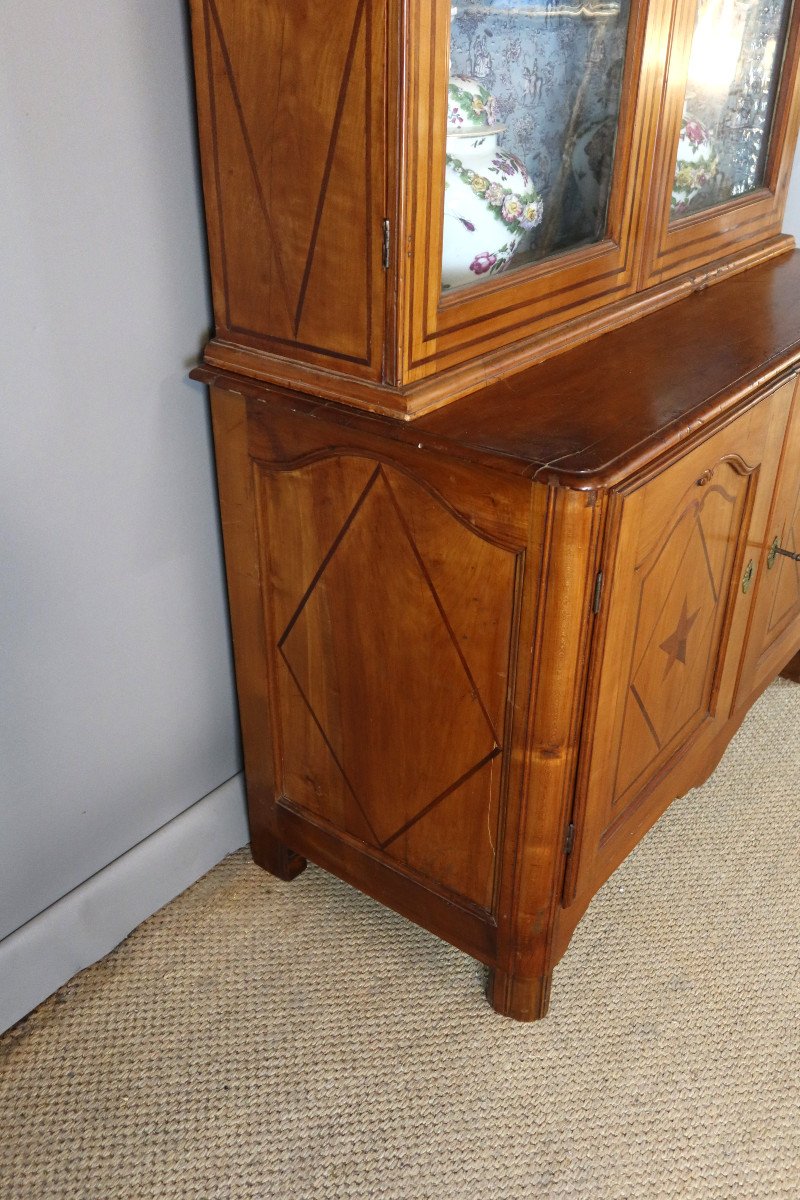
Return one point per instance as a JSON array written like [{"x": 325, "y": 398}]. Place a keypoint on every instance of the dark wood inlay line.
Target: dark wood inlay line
[
  {"x": 331, "y": 750},
  {"x": 258, "y": 335},
  {"x": 487, "y": 758},
  {"x": 332, "y": 144},
  {"x": 646, "y": 715},
  {"x": 212, "y": 99},
  {"x": 535, "y": 303},
  {"x": 662, "y": 549},
  {"x": 334, "y": 546},
  {"x": 423, "y": 568},
  {"x": 704, "y": 543},
  {"x": 251, "y": 158}
]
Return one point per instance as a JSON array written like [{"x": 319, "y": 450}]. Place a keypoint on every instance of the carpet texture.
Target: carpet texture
[{"x": 261, "y": 1039}]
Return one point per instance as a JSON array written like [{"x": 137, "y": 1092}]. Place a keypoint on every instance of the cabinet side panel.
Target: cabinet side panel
[
  {"x": 292, "y": 123},
  {"x": 393, "y": 626}
]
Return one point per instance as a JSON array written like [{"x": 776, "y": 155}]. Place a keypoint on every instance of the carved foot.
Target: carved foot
[
  {"x": 275, "y": 857},
  {"x": 524, "y": 998},
  {"x": 792, "y": 670}
]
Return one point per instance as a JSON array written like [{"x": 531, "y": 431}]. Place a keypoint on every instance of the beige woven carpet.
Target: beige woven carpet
[{"x": 260, "y": 1039}]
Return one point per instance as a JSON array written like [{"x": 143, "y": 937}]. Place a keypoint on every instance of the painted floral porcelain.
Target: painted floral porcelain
[
  {"x": 490, "y": 201},
  {"x": 696, "y": 166},
  {"x": 470, "y": 106}
]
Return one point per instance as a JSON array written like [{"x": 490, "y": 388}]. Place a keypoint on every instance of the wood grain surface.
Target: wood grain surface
[
  {"x": 470, "y": 692},
  {"x": 589, "y": 417},
  {"x": 322, "y": 134},
  {"x": 479, "y": 652}
]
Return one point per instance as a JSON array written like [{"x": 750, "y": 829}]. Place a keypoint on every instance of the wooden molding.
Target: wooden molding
[{"x": 415, "y": 400}]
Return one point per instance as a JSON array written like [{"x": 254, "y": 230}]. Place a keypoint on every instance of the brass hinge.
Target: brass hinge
[
  {"x": 387, "y": 243},
  {"x": 598, "y": 593},
  {"x": 569, "y": 841}
]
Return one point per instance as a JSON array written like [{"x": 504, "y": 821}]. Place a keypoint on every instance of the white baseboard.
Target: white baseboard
[{"x": 83, "y": 926}]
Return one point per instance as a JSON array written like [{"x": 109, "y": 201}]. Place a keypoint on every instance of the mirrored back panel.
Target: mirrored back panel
[
  {"x": 734, "y": 71},
  {"x": 533, "y": 109}
]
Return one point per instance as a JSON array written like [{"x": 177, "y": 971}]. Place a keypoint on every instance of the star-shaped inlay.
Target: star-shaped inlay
[{"x": 675, "y": 645}]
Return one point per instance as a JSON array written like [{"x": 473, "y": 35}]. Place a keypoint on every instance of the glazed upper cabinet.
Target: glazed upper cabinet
[
  {"x": 721, "y": 168},
  {"x": 524, "y": 217},
  {"x": 405, "y": 197}
]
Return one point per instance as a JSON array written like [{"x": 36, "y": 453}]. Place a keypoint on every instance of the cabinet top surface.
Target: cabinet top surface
[{"x": 592, "y": 415}]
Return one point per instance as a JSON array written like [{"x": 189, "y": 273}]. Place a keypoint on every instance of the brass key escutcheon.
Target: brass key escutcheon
[{"x": 775, "y": 550}]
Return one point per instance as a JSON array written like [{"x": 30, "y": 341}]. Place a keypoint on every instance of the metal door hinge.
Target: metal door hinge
[
  {"x": 598, "y": 593},
  {"x": 387, "y": 243},
  {"x": 569, "y": 841}
]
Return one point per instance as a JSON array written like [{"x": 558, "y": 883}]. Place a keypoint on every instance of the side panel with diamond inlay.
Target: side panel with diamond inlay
[
  {"x": 392, "y": 628},
  {"x": 676, "y": 614},
  {"x": 291, "y": 107}
]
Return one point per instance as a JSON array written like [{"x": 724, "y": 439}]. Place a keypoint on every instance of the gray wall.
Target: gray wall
[{"x": 116, "y": 700}]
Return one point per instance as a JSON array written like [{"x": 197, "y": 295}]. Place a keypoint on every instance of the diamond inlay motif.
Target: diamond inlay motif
[
  {"x": 677, "y": 607},
  {"x": 358, "y": 627},
  {"x": 684, "y": 582}
]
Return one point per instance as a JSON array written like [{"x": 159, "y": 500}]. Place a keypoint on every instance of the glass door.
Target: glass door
[
  {"x": 729, "y": 102},
  {"x": 730, "y": 111},
  {"x": 533, "y": 106},
  {"x": 525, "y": 132}
]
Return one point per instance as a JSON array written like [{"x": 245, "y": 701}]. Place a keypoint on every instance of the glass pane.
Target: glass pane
[
  {"x": 730, "y": 95},
  {"x": 534, "y": 97}
]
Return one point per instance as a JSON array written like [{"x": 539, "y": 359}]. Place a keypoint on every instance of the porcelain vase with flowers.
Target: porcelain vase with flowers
[
  {"x": 491, "y": 204},
  {"x": 696, "y": 167}
]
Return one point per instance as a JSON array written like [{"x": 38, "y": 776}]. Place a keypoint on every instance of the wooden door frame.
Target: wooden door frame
[
  {"x": 599, "y": 849},
  {"x": 735, "y": 227},
  {"x": 443, "y": 332}
]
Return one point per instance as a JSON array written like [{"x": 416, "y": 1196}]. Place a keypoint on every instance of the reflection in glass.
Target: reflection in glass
[
  {"x": 730, "y": 95},
  {"x": 533, "y": 107}
]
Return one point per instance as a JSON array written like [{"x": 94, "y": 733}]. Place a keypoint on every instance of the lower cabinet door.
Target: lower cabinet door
[
  {"x": 774, "y": 634},
  {"x": 681, "y": 559}
]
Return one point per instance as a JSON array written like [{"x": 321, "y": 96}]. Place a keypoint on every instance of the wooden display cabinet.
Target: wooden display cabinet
[{"x": 510, "y": 532}]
